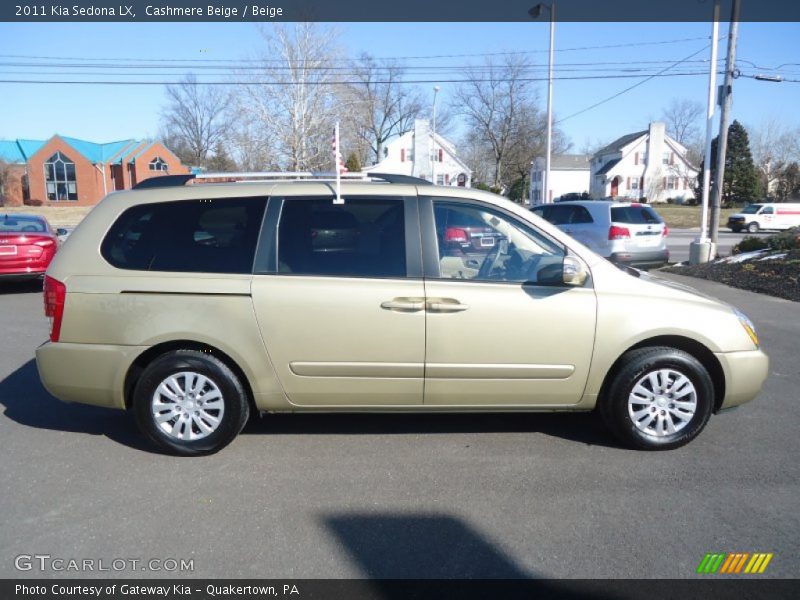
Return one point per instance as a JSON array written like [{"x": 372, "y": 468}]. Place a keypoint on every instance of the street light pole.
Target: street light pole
[
  {"x": 436, "y": 89},
  {"x": 535, "y": 13}
]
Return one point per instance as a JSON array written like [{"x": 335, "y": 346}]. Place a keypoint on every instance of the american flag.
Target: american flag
[{"x": 337, "y": 154}]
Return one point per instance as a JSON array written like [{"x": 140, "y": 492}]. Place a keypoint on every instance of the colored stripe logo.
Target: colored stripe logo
[{"x": 734, "y": 563}]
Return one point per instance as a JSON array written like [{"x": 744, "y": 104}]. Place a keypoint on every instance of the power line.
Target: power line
[
  {"x": 423, "y": 57},
  {"x": 661, "y": 73},
  {"x": 333, "y": 83}
]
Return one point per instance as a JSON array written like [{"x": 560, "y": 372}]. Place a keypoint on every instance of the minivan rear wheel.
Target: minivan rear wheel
[
  {"x": 661, "y": 398},
  {"x": 190, "y": 403},
  {"x": 753, "y": 227}
]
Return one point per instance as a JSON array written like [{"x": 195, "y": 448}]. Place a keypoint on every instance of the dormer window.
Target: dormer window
[{"x": 158, "y": 164}]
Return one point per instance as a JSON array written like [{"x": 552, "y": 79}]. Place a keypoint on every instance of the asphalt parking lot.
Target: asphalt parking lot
[{"x": 432, "y": 496}]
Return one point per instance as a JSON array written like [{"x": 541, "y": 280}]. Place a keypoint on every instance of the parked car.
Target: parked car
[
  {"x": 27, "y": 245},
  {"x": 765, "y": 215},
  {"x": 191, "y": 336},
  {"x": 573, "y": 196},
  {"x": 629, "y": 233}
]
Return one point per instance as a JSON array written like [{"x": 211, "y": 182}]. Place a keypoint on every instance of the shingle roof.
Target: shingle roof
[
  {"x": 608, "y": 166},
  {"x": 19, "y": 151},
  {"x": 11, "y": 152},
  {"x": 96, "y": 153},
  {"x": 569, "y": 162},
  {"x": 620, "y": 143}
]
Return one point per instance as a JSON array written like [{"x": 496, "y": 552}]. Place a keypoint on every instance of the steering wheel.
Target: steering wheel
[{"x": 492, "y": 260}]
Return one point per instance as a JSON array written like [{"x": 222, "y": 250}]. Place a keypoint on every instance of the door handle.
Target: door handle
[
  {"x": 447, "y": 306},
  {"x": 406, "y": 304}
]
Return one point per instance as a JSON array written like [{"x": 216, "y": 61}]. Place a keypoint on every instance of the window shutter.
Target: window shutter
[
  {"x": 402, "y": 155},
  {"x": 636, "y": 158},
  {"x": 672, "y": 158},
  {"x": 629, "y": 183},
  {"x": 441, "y": 154}
]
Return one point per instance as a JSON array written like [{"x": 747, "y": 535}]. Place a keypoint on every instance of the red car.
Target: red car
[{"x": 27, "y": 245}]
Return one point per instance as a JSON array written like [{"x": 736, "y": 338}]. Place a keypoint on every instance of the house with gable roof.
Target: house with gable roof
[
  {"x": 647, "y": 165},
  {"x": 66, "y": 170}
]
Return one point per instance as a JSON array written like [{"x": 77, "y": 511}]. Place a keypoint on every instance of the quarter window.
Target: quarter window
[
  {"x": 193, "y": 236},
  {"x": 360, "y": 238},
  {"x": 59, "y": 175},
  {"x": 483, "y": 245}
]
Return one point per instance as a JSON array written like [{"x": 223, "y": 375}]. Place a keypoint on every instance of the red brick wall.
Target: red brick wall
[
  {"x": 142, "y": 165},
  {"x": 88, "y": 177}
]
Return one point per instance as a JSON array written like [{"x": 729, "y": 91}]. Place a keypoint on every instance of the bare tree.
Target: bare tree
[
  {"x": 491, "y": 101},
  {"x": 380, "y": 105},
  {"x": 774, "y": 146},
  {"x": 195, "y": 119},
  {"x": 682, "y": 117},
  {"x": 291, "y": 103}
]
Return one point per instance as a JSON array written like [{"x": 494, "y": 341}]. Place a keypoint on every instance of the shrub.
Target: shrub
[
  {"x": 785, "y": 240},
  {"x": 32, "y": 202}
]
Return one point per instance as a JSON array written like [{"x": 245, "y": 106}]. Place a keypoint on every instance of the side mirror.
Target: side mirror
[
  {"x": 574, "y": 272},
  {"x": 61, "y": 231}
]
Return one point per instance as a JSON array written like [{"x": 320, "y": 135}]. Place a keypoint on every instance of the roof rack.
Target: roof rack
[{"x": 179, "y": 180}]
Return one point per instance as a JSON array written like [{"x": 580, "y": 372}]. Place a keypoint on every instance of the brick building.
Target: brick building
[{"x": 65, "y": 170}]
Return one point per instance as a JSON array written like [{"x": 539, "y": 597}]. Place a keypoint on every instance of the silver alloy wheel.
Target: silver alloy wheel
[
  {"x": 662, "y": 402},
  {"x": 188, "y": 406}
]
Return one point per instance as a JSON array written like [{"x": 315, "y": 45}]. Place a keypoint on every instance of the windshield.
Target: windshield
[
  {"x": 752, "y": 209},
  {"x": 12, "y": 224}
]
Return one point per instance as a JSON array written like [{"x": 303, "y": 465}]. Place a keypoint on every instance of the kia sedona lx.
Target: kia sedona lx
[{"x": 194, "y": 306}]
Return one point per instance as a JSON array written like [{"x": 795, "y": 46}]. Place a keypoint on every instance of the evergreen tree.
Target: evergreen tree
[
  {"x": 220, "y": 162},
  {"x": 741, "y": 179},
  {"x": 353, "y": 164}
]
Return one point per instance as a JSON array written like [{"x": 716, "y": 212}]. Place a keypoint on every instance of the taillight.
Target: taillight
[
  {"x": 55, "y": 294},
  {"x": 665, "y": 233},
  {"x": 44, "y": 243},
  {"x": 454, "y": 234},
  {"x": 618, "y": 233}
]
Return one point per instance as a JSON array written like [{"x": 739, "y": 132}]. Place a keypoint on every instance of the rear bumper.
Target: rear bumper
[
  {"x": 745, "y": 373},
  {"x": 641, "y": 258},
  {"x": 86, "y": 373}
]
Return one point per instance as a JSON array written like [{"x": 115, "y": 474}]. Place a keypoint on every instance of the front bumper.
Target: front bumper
[
  {"x": 745, "y": 373},
  {"x": 641, "y": 258},
  {"x": 86, "y": 373}
]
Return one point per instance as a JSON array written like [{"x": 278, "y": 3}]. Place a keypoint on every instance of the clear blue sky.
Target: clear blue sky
[{"x": 105, "y": 113}]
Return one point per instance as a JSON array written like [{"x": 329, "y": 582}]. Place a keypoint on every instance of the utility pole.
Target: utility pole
[
  {"x": 535, "y": 13},
  {"x": 701, "y": 249},
  {"x": 436, "y": 89},
  {"x": 722, "y": 146}
]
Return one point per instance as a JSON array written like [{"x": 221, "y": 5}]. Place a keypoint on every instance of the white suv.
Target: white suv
[{"x": 623, "y": 232}]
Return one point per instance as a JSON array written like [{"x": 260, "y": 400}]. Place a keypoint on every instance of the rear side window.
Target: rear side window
[
  {"x": 635, "y": 215},
  {"x": 360, "y": 238},
  {"x": 192, "y": 236}
]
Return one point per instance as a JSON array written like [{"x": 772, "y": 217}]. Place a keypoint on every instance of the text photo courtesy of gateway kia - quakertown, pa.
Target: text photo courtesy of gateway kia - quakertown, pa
[{"x": 363, "y": 300}]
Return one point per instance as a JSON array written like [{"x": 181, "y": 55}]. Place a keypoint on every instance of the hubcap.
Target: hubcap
[
  {"x": 662, "y": 402},
  {"x": 187, "y": 406}
]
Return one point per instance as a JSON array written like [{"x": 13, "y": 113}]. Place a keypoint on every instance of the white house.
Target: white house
[
  {"x": 569, "y": 173},
  {"x": 416, "y": 153},
  {"x": 646, "y": 164}
]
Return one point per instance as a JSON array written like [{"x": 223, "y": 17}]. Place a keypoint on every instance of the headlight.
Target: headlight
[{"x": 748, "y": 326}]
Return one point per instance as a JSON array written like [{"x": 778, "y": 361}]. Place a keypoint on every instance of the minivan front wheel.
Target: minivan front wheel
[
  {"x": 753, "y": 227},
  {"x": 660, "y": 399},
  {"x": 190, "y": 403}
]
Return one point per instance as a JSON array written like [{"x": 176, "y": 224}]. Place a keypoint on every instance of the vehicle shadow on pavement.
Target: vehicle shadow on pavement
[
  {"x": 22, "y": 286},
  {"x": 27, "y": 402},
  {"x": 436, "y": 546},
  {"x": 584, "y": 428}
]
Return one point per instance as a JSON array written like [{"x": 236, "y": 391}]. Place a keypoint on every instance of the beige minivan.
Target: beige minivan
[{"x": 197, "y": 305}]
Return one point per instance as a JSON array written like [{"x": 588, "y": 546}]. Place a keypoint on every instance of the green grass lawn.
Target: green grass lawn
[
  {"x": 57, "y": 216},
  {"x": 683, "y": 217}
]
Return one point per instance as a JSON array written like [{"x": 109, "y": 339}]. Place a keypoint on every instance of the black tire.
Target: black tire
[
  {"x": 753, "y": 227},
  {"x": 736, "y": 229},
  {"x": 233, "y": 396},
  {"x": 635, "y": 365}
]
